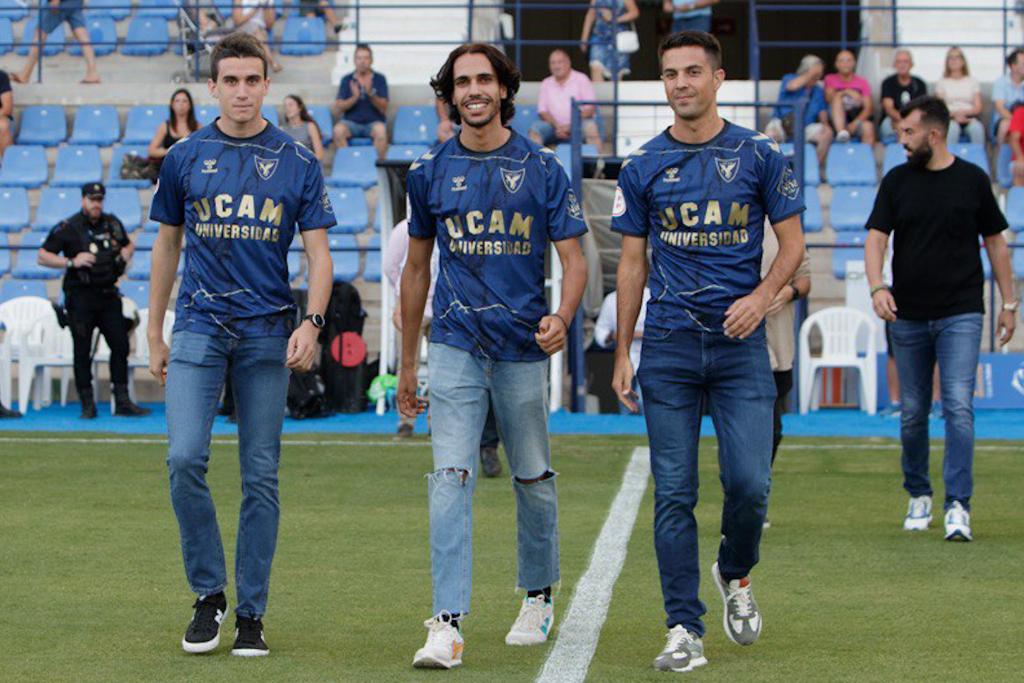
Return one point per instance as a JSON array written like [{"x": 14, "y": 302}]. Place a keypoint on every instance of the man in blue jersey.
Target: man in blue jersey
[
  {"x": 236, "y": 189},
  {"x": 700, "y": 193},
  {"x": 491, "y": 200}
]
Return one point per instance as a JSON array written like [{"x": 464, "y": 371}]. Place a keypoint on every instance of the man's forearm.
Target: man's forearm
[
  {"x": 788, "y": 258},
  {"x": 163, "y": 269},
  {"x": 999, "y": 257},
  {"x": 381, "y": 103},
  {"x": 874, "y": 256},
  {"x": 415, "y": 286},
  {"x": 630, "y": 279},
  {"x": 51, "y": 260},
  {"x": 321, "y": 279},
  {"x": 574, "y": 281}
]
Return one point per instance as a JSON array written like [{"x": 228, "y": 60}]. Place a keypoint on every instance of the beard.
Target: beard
[
  {"x": 482, "y": 123},
  {"x": 919, "y": 158}
]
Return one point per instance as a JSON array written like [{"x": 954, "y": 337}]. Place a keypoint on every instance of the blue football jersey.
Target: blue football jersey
[
  {"x": 702, "y": 208},
  {"x": 240, "y": 201},
  {"x": 492, "y": 214}
]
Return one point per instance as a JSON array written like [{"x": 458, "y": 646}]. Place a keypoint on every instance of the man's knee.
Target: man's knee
[
  {"x": 378, "y": 131},
  {"x": 341, "y": 131},
  {"x": 529, "y": 481}
]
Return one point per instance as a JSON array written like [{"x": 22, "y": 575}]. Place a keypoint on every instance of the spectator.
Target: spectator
[
  {"x": 256, "y": 17},
  {"x": 59, "y": 12},
  {"x": 554, "y": 103},
  {"x": 1016, "y": 129},
  {"x": 962, "y": 94},
  {"x": 849, "y": 97},
  {"x": 301, "y": 127},
  {"x": 445, "y": 128},
  {"x": 897, "y": 90},
  {"x": 604, "y": 336},
  {"x": 320, "y": 8},
  {"x": 1007, "y": 90},
  {"x": 6, "y": 112},
  {"x": 689, "y": 15},
  {"x": 181, "y": 121},
  {"x": 362, "y": 102},
  {"x": 603, "y": 21},
  {"x": 804, "y": 84}
]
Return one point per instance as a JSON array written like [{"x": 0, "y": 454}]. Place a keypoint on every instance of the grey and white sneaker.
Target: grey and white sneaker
[
  {"x": 741, "y": 618},
  {"x": 683, "y": 652},
  {"x": 919, "y": 514},
  {"x": 958, "y": 523}
]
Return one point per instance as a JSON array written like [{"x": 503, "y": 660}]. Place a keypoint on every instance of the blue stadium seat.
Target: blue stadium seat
[
  {"x": 206, "y": 113},
  {"x": 974, "y": 153},
  {"x": 13, "y": 10},
  {"x": 350, "y": 210},
  {"x": 373, "y": 242},
  {"x": 406, "y": 152},
  {"x": 415, "y": 126},
  {"x": 346, "y": 263},
  {"x": 303, "y": 36},
  {"x": 102, "y": 36},
  {"x": 371, "y": 270},
  {"x": 895, "y": 155},
  {"x": 23, "y": 166},
  {"x": 114, "y": 178},
  {"x": 564, "y": 153},
  {"x": 840, "y": 255},
  {"x": 523, "y": 119},
  {"x": 95, "y": 125},
  {"x": 354, "y": 166},
  {"x": 137, "y": 291},
  {"x": 55, "y": 205},
  {"x": 14, "y": 214},
  {"x": 117, "y": 9},
  {"x": 813, "y": 221},
  {"x": 150, "y": 226},
  {"x": 142, "y": 123},
  {"x": 42, "y": 125},
  {"x": 321, "y": 113},
  {"x": 812, "y": 172},
  {"x": 6, "y": 36},
  {"x": 5, "y": 261},
  {"x": 12, "y": 289},
  {"x": 1015, "y": 209},
  {"x": 296, "y": 244},
  {"x": 77, "y": 165},
  {"x": 147, "y": 36},
  {"x": 986, "y": 265},
  {"x": 140, "y": 264},
  {"x": 269, "y": 112},
  {"x": 1004, "y": 174},
  {"x": 852, "y": 163},
  {"x": 25, "y": 265},
  {"x": 851, "y": 207},
  {"x": 165, "y": 9},
  {"x": 54, "y": 42},
  {"x": 294, "y": 265},
  {"x": 123, "y": 202},
  {"x": 1018, "y": 262},
  {"x": 145, "y": 240}
]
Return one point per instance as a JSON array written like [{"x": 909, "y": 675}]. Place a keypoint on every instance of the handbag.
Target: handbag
[{"x": 628, "y": 41}]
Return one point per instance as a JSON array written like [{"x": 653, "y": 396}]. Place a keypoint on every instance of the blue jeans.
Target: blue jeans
[
  {"x": 195, "y": 378},
  {"x": 954, "y": 342},
  {"x": 461, "y": 388},
  {"x": 701, "y": 22},
  {"x": 676, "y": 369}
]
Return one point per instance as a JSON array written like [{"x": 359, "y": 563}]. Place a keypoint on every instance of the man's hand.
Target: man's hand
[
  {"x": 884, "y": 305},
  {"x": 83, "y": 259},
  {"x": 743, "y": 317},
  {"x": 784, "y": 296},
  {"x": 355, "y": 88},
  {"x": 1005, "y": 327},
  {"x": 158, "y": 355},
  {"x": 409, "y": 404},
  {"x": 551, "y": 334},
  {"x": 563, "y": 131},
  {"x": 622, "y": 381},
  {"x": 960, "y": 117},
  {"x": 302, "y": 347}
]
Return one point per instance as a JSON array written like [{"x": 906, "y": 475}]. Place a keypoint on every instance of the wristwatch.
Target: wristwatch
[
  {"x": 1011, "y": 306},
  {"x": 317, "y": 320},
  {"x": 71, "y": 264},
  {"x": 796, "y": 292}
]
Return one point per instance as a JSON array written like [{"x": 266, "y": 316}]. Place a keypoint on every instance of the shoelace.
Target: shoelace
[
  {"x": 741, "y": 598},
  {"x": 436, "y": 628},
  {"x": 919, "y": 509},
  {"x": 676, "y": 638},
  {"x": 250, "y": 630},
  {"x": 531, "y": 616},
  {"x": 206, "y": 613}
]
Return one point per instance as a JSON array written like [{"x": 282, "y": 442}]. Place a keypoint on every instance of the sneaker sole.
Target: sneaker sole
[
  {"x": 428, "y": 662},
  {"x": 917, "y": 525},
  {"x": 523, "y": 641},
  {"x": 725, "y": 609},
  {"x": 249, "y": 652},
  {"x": 958, "y": 535},
  {"x": 200, "y": 648},
  {"x": 694, "y": 663}
]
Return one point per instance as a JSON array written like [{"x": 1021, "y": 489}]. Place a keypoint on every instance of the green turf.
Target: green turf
[{"x": 93, "y": 588}]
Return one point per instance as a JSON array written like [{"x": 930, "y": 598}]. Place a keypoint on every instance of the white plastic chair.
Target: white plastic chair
[
  {"x": 840, "y": 329},
  {"x": 139, "y": 355},
  {"x": 16, "y": 317},
  {"x": 46, "y": 345}
]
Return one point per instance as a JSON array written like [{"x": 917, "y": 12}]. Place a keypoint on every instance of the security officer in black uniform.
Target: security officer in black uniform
[{"x": 93, "y": 248}]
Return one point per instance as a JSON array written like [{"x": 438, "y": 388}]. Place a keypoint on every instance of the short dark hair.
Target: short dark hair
[
  {"x": 240, "y": 45},
  {"x": 712, "y": 48},
  {"x": 364, "y": 46},
  {"x": 1012, "y": 57},
  {"x": 933, "y": 111},
  {"x": 508, "y": 75}
]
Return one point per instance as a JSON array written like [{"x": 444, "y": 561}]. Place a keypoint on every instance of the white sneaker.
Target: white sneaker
[
  {"x": 533, "y": 625},
  {"x": 958, "y": 523},
  {"x": 843, "y": 136},
  {"x": 919, "y": 514},
  {"x": 443, "y": 649},
  {"x": 683, "y": 652}
]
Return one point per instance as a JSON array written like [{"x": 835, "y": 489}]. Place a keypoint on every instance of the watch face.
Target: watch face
[{"x": 317, "y": 320}]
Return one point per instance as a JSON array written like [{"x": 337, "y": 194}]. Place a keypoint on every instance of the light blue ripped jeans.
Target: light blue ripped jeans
[{"x": 460, "y": 386}]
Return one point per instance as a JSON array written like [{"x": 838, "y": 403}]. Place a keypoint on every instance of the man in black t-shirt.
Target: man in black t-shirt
[
  {"x": 897, "y": 91},
  {"x": 937, "y": 206}
]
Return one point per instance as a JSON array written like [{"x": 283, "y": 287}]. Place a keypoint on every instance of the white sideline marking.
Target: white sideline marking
[{"x": 578, "y": 635}]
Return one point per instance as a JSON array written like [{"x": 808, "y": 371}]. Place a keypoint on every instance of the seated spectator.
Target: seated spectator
[
  {"x": 181, "y": 121},
  {"x": 64, "y": 11},
  {"x": 1016, "y": 132},
  {"x": 604, "y": 335},
  {"x": 804, "y": 84},
  {"x": 6, "y": 112},
  {"x": 445, "y": 128},
  {"x": 599, "y": 29},
  {"x": 849, "y": 98},
  {"x": 897, "y": 90},
  {"x": 362, "y": 102},
  {"x": 962, "y": 94},
  {"x": 256, "y": 17},
  {"x": 320, "y": 8},
  {"x": 299, "y": 124},
  {"x": 1007, "y": 90},
  {"x": 554, "y": 103},
  {"x": 689, "y": 15}
]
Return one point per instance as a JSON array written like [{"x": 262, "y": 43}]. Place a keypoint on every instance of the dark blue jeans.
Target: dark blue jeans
[
  {"x": 954, "y": 342},
  {"x": 676, "y": 369}
]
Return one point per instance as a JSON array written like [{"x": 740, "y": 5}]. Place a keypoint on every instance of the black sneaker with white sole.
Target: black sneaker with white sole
[
  {"x": 249, "y": 638},
  {"x": 203, "y": 632}
]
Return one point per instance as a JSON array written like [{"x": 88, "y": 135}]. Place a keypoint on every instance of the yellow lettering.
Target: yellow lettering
[
  {"x": 454, "y": 225},
  {"x": 520, "y": 225},
  {"x": 202, "y": 209},
  {"x": 222, "y": 204},
  {"x": 497, "y": 222},
  {"x": 703, "y": 242},
  {"x": 713, "y": 214},
  {"x": 247, "y": 207},
  {"x": 471, "y": 222},
  {"x": 739, "y": 215},
  {"x": 271, "y": 212},
  {"x": 684, "y": 214},
  {"x": 668, "y": 219}
]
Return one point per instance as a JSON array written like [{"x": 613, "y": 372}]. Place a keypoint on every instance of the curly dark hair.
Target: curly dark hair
[{"x": 508, "y": 75}]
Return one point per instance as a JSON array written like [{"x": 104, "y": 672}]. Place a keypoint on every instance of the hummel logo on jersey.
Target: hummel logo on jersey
[
  {"x": 458, "y": 183},
  {"x": 265, "y": 167},
  {"x": 671, "y": 175},
  {"x": 513, "y": 180},
  {"x": 210, "y": 166},
  {"x": 727, "y": 168}
]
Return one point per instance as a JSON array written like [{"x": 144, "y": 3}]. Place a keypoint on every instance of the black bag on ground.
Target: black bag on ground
[
  {"x": 343, "y": 363},
  {"x": 306, "y": 396}
]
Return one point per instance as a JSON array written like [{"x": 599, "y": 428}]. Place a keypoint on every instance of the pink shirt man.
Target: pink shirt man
[
  {"x": 554, "y": 97},
  {"x": 858, "y": 83}
]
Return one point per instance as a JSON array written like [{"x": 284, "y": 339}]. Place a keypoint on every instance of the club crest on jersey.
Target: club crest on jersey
[
  {"x": 788, "y": 185},
  {"x": 671, "y": 175},
  {"x": 265, "y": 167},
  {"x": 574, "y": 205},
  {"x": 727, "y": 168},
  {"x": 458, "y": 183},
  {"x": 209, "y": 166},
  {"x": 512, "y": 180},
  {"x": 325, "y": 201},
  {"x": 619, "y": 206}
]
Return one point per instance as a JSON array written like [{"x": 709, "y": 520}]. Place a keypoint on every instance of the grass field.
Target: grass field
[{"x": 93, "y": 587}]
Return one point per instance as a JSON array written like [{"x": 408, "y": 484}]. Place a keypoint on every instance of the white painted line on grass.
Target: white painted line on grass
[{"x": 578, "y": 635}]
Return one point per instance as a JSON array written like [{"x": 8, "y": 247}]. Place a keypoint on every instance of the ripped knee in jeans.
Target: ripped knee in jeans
[
  {"x": 536, "y": 480},
  {"x": 447, "y": 474}
]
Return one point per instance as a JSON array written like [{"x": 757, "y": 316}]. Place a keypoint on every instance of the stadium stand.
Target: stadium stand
[
  {"x": 1015, "y": 209},
  {"x": 12, "y": 289},
  {"x": 812, "y": 174},
  {"x": 349, "y": 209},
  {"x": 56, "y": 204},
  {"x": 147, "y": 37},
  {"x": 25, "y": 265},
  {"x": 77, "y": 165},
  {"x": 840, "y": 255},
  {"x": 354, "y": 167},
  {"x": 54, "y": 41},
  {"x": 102, "y": 35},
  {"x": 14, "y": 211},
  {"x": 850, "y": 208},
  {"x": 141, "y": 124},
  {"x": 852, "y": 163},
  {"x": 406, "y": 152},
  {"x": 15, "y": 10},
  {"x": 6, "y": 36},
  {"x": 114, "y": 178},
  {"x": 123, "y": 202},
  {"x": 813, "y": 221},
  {"x": 24, "y": 166},
  {"x": 974, "y": 153},
  {"x": 164, "y": 9},
  {"x": 116, "y": 9},
  {"x": 346, "y": 263},
  {"x": 525, "y": 117},
  {"x": 303, "y": 36},
  {"x": 95, "y": 125},
  {"x": 42, "y": 125},
  {"x": 415, "y": 126}
]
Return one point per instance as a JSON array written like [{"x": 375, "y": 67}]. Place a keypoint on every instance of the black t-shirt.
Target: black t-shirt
[
  {"x": 105, "y": 239},
  {"x": 5, "y": 82},
  {"x": 937, "y": 217},
  {"x": 901, "y": 94}
]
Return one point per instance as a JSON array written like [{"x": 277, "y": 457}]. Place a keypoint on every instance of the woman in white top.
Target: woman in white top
[{"x": 962, "y": 94}]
